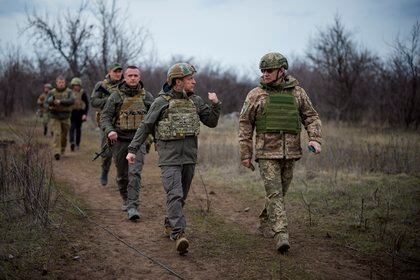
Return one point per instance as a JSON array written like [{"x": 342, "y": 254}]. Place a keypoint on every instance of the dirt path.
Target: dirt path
[{"x": 211, "y": 256}]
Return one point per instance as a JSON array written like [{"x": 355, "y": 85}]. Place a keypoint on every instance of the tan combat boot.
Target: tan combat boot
[{"x": 181, "y": 244}]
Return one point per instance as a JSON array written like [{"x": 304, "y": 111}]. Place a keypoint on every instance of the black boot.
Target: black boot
[
  {"x": 104, "y": 178},
  {"x": 45, "y": 130}
]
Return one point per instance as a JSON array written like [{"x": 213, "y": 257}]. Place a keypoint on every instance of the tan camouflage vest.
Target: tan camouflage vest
[
  {"x": 132, "y": 112},
  {"x": 59, "y": 95},
  {"x": 181, "y": 120},
  {"x": 79, "y": 104}
]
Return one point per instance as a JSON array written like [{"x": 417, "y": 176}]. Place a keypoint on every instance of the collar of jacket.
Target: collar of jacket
[
  {"x": 168, "y": 90},
  {"x": 283, "y": 82},
  {"x": 61, "y": 90},
  {"x": 130, "y": 91}
]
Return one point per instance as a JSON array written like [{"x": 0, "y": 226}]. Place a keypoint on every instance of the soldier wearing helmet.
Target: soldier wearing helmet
[
  {"x": 174, "y": 119},
  {"x": 43, "y": 113},
  {"x": 276, "y": 110},
  {"x": 120, "y": 118},
  {"x": 59, "y": 102},
  {"x": 79, "y": 112}
]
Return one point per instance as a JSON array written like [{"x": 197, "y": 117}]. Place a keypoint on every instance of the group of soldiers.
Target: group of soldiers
[
  {"x": 64, "y": 110},
  {"x": 128, "y": 115}
]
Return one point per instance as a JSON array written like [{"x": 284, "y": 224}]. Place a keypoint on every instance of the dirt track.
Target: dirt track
[{"x": 104, "y": 257}]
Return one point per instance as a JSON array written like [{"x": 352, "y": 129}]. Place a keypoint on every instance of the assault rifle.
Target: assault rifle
[{"x": 105, "y": 148}]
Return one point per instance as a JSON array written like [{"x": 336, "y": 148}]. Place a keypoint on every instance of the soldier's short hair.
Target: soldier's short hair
[
  {"x": 60, "y": 78},
  {"x": 132, "y": 67}
]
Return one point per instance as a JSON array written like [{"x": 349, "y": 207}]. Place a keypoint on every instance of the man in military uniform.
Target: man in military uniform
[
  {"x": 79, "y": 113},
  {"x": 98, "y": 98},
  {"x": 120, "y": 118},
  {"x": 276, "y": 109},
  {"x": 174, "y": 119},
  {"x": 43, "y": 113},
  {"x": 59, "y": 102}
]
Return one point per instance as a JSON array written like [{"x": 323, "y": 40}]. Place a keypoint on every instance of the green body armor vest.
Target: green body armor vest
[
  {"x": 280, "y": 114},
  {"x": 181, "y": 120},
  {"x": 132, "y": 112},
  {"x": 79, "y": 104},
  {"x": 59, "y": 95}
]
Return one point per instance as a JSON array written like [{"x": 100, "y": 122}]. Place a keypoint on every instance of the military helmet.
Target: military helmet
[
  {"x": 76, "y": 81},
  {"x": 273, "y": 60},
  {"x": 48, "y": 85},
  {"x": 179, "y": 70}
]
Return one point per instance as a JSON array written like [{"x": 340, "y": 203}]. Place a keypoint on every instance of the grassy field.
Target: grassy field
[
  {"x": 363, "y": 191},
  {"x": 35, "y": 219}
]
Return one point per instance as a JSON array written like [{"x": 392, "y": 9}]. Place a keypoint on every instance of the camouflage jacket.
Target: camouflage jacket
[
  {"x": 101, "y": 92},
  {"x": 113, "y": 106},
  {"x": 63, "y": 110},
  {"x": 180, "y": 151},
  {"x": 276, "y": 145}
]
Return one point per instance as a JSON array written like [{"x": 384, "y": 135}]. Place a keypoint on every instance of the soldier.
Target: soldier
[
  {"x": 98, "y": 98},
  {"x": 276, "y": 109},
  {"x": 120, "y": 118},
  {"x": 79, "y": 113},
  {"x": 59, "y": 102},
  {"x": 43, "y": 113},
  {"x": 174, "y": 119}
]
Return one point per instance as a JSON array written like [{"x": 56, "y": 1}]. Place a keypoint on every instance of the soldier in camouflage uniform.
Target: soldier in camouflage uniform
[
  {"x": 120, "y": 118},
  {"x": 79, "y": 113},
  {"x": 98, "y": 98},
  {"x": 59, "y": 102},
  {"x": 276, "y": 109},
  {"x": 43, "y": 113},
  {"x": 174, "y": 119}
]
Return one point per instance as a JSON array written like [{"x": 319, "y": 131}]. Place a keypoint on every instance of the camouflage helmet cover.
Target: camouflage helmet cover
[
  {"x": 180, "y": 70},
  {"x": 273, "y": 60},
  {"x": 76, "y": 81},
  {"x": 48, "y": 85}
]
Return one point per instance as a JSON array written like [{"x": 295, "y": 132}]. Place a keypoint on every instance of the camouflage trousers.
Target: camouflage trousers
[
  {"x": 277, "y": 176},
  {"x": 128, "y": 175},
  {"x": 45, "y": 118},
  {"x": 176, "y": 181},
  {"x": 60, "y": 130}
]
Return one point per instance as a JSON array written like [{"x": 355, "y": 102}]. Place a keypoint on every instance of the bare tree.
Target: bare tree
[
  {"x": 119, "y": 41},
  {"x": 405, "y": 66},
  {"x": 68, "y": 36},
  {"x": 336, "y": 58}
]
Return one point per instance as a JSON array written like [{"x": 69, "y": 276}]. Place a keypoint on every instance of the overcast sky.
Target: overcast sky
[{"x": 236, "y": 33}]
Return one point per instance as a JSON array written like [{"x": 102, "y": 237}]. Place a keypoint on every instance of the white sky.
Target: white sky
[{"x": 236, "y": 33}]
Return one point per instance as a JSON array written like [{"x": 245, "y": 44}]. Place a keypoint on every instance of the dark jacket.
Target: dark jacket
[
  {"x": 174, "y": 152},
  {"x": 113, "y": 106}
]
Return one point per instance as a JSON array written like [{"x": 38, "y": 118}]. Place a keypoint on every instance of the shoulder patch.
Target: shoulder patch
[{"x": 244, "y": 108}]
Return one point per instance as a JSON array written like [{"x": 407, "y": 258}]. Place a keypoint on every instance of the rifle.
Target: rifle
[{"x": 105, "y": 148}]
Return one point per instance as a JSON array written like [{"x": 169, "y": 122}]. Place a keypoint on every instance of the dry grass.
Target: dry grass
[{"x": 362, "y": 191}]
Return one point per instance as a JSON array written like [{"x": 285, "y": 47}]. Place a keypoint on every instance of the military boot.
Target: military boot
[
  {"x": 182, "y": 244},
  {"x": 282, "y": 242},
  {"x": 45, "y": 130},
  {"x": 72, "y": 147},
  {"x": 57, "y": 156},
  {"x": 133, "y": 214},
  {"x": 104, "y": 177}
]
